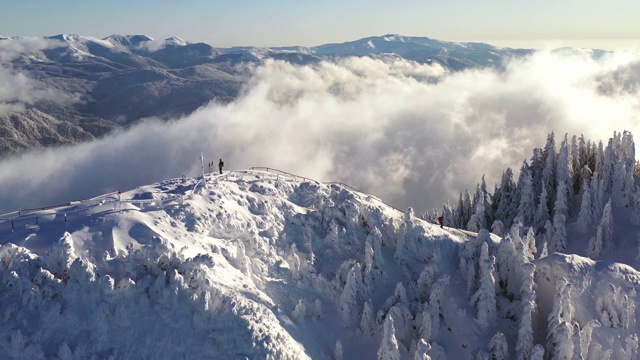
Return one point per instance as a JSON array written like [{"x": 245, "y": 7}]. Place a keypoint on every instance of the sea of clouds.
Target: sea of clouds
[{"x": 411, "y": 134}]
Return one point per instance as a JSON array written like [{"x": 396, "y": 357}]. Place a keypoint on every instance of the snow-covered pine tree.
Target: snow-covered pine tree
[
  {"x": 426, "y": 328},
  {"x": 352, "y": 296},
  {"x": 503, "y": 204},
  {"x": 508, "y": 265},
  {"x": 542, "y": 212},
  {"x": 421, "y": 351},
  {"x": 367, "y": 320},
  {"x": 436, "y": 298},
  {"x": 549, "y": 170},
  {"x": 389, "y": 349},
  {"x": 575, "y": 163},
  {"x": 563, "y": 341},
  {"x": 631, "y": 349},
  {"x": 599, "y": 159},
  {"x": 561, "y": 205},
  {"x": 498, "y": 347},
  {"x": 467, "y": 209},
  {"x": 530, "y": 248},
  {"x": 586, "y": 333},
  {"x": 524, "y": 345},
  {"x": 478, "y": 217},
  {"x": 564, "y": 171},
  {"x": 526, "y": 207},
  {"x": 488, "y": 211},
  {"x": 610, "y": 160},
  {"x": 485, "y": 297},
  {"x": 559, "y": 238},
  {"x": 537, "y": 353},
  {"x": 373, "y": 260},
  {"x": 577, "y": 343},
  {"x": 559, "y": 337},
  {"x": 619, "y": 188},
  {"x": 596, "y": 197},
  {"x": 585, "y": 174},
  {"x": 584, "y": 216},
  {"x": 603, "y": 241}
]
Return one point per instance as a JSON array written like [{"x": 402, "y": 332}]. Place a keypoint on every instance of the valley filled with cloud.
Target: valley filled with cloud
[{"x": 411, "y": 134}]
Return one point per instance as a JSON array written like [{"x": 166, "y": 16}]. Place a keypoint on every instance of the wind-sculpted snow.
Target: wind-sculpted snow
[{"x": 264, "y": 266}]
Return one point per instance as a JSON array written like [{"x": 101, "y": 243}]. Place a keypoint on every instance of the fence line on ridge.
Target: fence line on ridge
[{"x": 41, "y": 212}]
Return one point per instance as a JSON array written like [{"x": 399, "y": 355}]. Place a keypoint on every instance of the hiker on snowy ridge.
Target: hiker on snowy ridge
[{"x": 220, "y": 166}]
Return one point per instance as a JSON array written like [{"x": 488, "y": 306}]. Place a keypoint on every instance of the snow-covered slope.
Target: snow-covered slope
[{"x": 267, "y": 265}]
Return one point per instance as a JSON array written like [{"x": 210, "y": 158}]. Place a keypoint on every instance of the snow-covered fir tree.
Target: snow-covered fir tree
[
  {"x": 389, "y": 349},
  {"x": 524, "y": 345},
  {"x": 585, "y": 216},
  {"x": 602, "y": 242},
  {"x": 498, "y": 347},
  {"x": 485, "y": 297}
]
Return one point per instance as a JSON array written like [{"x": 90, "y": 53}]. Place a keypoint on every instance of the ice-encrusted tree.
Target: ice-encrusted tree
[
  {"x": 562, "y": 341},
  {"x": 542, "y": 212},
  {"x": 603, "y": 241},
  {"x": 577, "y": 343},
  {"x": 585, "y": 335},
  {"x": 352, "y": 296},
  {"x": 498, "y": 347},
  {"x": 421, "y": 350},
  {"x": 561, "y": 315},
  {"x": 526, "y": 207},
  {"x": 389, "y": 349},
  {"x": 436, "y": 299},
  {"x": 481, "y": 217},
  {"x": 619, "y": 189},
  {"x": 367, "y": 320},
  {"x": 549, "y": 158},
  {"x": 503, "y": 198},
  {"x": 631, "y": 347},
  {"x": 529, "y": 244},
  {"x": 508, "y": 266},
  {"x": 373, "y": 259},
  {"x": 524, "y": 344},
  {"x": 558, "y": 241},
  {"x": 585, "y": 216},
  {"x": 564, "y": 171},
  {"x": 537, "y": 353},
  {"x": 485, "y": 297}
]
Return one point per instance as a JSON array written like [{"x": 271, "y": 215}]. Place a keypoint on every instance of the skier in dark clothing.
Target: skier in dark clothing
[
  {"x": 440, "y": 221},
  {"x": 220, "y": 166}
]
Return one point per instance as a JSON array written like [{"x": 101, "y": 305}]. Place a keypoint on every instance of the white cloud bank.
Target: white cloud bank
[{"x": 387, "y": 129}]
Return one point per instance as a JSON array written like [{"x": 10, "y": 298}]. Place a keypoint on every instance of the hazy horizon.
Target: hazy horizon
[{"x": 593, "y": 24}]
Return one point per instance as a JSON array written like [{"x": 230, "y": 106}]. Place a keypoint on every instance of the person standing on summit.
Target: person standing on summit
[{"x": 220, "y": 165}]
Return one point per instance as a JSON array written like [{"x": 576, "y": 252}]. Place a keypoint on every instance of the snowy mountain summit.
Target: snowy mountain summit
[{"x": 267, "y": 265}]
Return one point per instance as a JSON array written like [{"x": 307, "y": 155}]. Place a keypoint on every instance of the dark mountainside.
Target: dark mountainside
[{"x": 117, "y": 81}]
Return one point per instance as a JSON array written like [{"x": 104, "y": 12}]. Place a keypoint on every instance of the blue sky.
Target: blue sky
[{"x": 516, "y": 23}]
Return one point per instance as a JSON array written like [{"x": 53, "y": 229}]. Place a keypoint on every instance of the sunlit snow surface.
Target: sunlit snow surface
[{"x": 257, "y": 265}]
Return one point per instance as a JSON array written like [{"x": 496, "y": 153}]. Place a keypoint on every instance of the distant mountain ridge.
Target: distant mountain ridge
[{"x": 123, "y": 78}]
